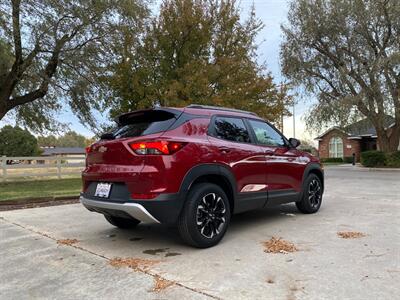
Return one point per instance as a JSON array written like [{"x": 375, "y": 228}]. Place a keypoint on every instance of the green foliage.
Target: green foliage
[
  {"x": 61, "y": 50},
  {"x": 332, "y": 160},
  {"x": 348, "y": 159},
  {"x": 196, "y": 51},
  {"x": 112, "y": 56},
  {"x": 393, "y": 159},
  {"x": 5, "y": 59},
  {"x": 15, "y": 141},
  {"x": 308, "y": 146},
  {"x": 373, "y": 158},
  {"x": 347, "y": 53},
  {"x": 91, "y": 140},
  {"x": 69, "y": 139},
  {"x": 47, "y": 141}
]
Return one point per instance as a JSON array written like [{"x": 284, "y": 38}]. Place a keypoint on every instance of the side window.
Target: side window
[
  {"x": 266, "y": 135},
  {"x": 231, "y": 129}
]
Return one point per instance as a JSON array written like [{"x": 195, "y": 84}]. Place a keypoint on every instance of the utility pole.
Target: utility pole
[
  {"x": 294, "y": 121},
  {"x": 281, "y": 106}
]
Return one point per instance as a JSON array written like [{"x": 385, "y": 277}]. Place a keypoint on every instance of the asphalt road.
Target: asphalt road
[{"x": 33, "y": 265}]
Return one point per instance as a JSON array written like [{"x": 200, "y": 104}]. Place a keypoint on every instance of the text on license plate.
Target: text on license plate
[{"x": 103, "y": 190}]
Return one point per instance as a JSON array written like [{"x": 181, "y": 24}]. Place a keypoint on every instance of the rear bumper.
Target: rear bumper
[
  {"x": 164, "y": 209},
  {"x": 135, "y": 210}
]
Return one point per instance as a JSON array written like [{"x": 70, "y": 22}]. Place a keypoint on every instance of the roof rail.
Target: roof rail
[{"x": 199, "y": 106}]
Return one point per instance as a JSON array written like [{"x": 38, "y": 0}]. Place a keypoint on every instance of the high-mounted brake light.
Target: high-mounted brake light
[{"x": 156, "y": 147}]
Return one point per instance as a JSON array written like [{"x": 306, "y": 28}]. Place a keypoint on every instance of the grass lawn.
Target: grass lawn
[{"x": 40, "y": 188}]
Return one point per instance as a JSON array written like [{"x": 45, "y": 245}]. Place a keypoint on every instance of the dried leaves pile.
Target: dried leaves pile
[
  {"x": 350, "y": 234},
  {"x": 139, "y": 264},
  {"x": 67, "y": 242},
  {"x": 161, "y": 284},
  {"x": 278, "y": 245},
  {"x": 134, "y": 263}
]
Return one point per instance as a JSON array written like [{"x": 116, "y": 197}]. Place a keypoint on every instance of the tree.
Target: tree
[
  {"x": 347, "y": 52},
  {"x": 196, "y": 51},
  {"x": 90, "y": 140},
  {"x": 60, "y": 50},
  {"x": 69, "y": 139},
  {"x": 47, "y": 141},
  {"x": 308, "y": 146},
  {"x": 16, "y": 141}
]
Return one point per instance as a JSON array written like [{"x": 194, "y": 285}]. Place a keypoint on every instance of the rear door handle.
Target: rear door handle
[{"x": 224, "y": 149}]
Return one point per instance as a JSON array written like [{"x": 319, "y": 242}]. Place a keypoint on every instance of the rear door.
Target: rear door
[
  {"x": 284, "y": 172},
  {"x": 233, "y": 146}
]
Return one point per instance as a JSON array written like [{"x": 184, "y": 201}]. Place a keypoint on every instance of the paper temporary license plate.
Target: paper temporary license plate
[{"x": 103, "y": 190}]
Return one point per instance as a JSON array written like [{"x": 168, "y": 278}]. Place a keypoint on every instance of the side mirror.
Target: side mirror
[{"x": 294, "y": 142}]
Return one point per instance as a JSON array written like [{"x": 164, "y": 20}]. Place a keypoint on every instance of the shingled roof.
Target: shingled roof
[
  {"x": 365, "y": 127},
  {"x": 361, "y": 128}
]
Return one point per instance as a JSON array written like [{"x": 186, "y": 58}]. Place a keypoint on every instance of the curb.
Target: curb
[
  {"x": 29, "y": 200},
  {"x": 365, "y": 169}
]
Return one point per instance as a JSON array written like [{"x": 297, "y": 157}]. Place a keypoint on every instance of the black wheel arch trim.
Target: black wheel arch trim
[
  {"x": 204, "y": 170},
  {"x": 314, "y": 167}
]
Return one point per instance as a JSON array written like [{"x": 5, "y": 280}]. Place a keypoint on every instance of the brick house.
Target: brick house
[{"x": 355, "y": 138}]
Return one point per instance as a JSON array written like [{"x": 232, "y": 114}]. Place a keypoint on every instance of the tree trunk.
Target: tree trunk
[
  {"x": 3, "y": 111},
  {"x": 388, "y": 139},
  {"x": 394, "y": 137}
]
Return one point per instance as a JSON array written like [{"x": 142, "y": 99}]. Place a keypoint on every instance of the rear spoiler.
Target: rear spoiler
[{"x": 144, "y": 114}]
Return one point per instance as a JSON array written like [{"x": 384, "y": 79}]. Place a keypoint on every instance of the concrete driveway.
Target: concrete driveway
[{"x": 34, "y": 265}]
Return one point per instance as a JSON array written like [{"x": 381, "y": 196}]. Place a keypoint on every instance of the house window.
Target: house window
[{"x": 336, "y": 147}]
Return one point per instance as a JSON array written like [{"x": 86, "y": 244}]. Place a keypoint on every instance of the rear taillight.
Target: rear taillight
[
  {"x": 88, "y": 149},
  {"x": 156, "y": 147}
]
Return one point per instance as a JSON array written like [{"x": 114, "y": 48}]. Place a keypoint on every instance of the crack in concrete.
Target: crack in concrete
[{"x": 147, "y": 272}]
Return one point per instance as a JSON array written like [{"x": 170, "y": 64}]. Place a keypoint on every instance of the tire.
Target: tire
[
  {"x": 312, "y": 195},
  {"x": 122, "y": 223},
  {"x": 205, "y": 216}
]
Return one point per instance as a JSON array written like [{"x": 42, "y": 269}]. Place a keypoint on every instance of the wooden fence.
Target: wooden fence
[{"x": 32, "y": 166}]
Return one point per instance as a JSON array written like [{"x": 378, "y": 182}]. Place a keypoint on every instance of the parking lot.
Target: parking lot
[{"x": 36, "y": 260}]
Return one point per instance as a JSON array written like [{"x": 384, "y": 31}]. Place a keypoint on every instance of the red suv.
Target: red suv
[{"x": 195, "y": 167}]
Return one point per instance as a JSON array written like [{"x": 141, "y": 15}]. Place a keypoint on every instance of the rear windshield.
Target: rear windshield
[{"x": 143, "y": 123}]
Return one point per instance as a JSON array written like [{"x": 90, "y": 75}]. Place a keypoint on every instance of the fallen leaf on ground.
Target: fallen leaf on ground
[
  {"x": 67, "y": 242},
  {"x": 161, "y": 284},
  {"x": 134, "y": 263},
  {"x": 270, "y": 281},
  {"x": 278, "y": 245},
  {"x": 350, "y": 234}
]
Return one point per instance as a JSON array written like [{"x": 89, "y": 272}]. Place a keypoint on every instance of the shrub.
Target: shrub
[
  {"x": 373, "y": 158},
  {"x": 348, "y": 159},
  {"x": 332, "y": 160},
  {"x": 393, "y": 159}
]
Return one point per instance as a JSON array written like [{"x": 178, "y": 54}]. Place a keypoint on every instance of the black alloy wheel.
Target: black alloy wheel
[
  {"x": 311, "y": 199},
  {"x": 315, "y": 193},
  {"x": 210, "y": 217},
  {"x": 205, "y": 216}
]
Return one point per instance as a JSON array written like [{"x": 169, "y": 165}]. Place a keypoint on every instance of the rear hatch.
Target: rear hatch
[{"x": 113, "y": 148}]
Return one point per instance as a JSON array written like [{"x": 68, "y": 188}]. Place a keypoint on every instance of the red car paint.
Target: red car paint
[{"x": 267, "y": 168}]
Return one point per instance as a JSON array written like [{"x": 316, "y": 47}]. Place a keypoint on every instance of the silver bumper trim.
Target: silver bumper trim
[{"x": 135, "y": 210}]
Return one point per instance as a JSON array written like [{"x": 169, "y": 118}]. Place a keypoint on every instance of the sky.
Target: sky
[{"x": 272, "y": 13}]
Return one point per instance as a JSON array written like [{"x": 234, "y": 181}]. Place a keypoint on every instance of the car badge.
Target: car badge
[{"x": 102, "y": 149}]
